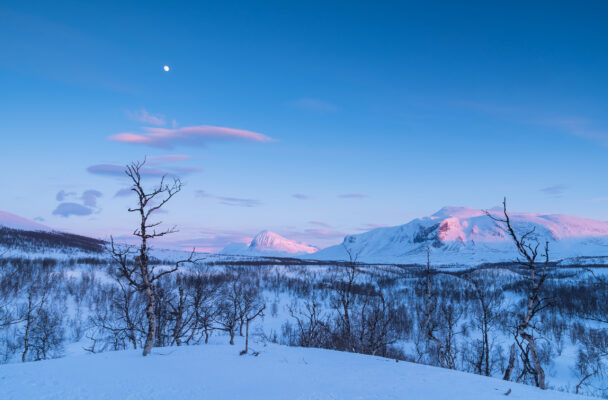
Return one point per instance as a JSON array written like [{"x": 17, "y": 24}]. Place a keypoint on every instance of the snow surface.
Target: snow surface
[
  {"x": 216, "y": 371},
  {"x": 16, "y": 222},
  {"x": 269, "y": 244},
  {"x": 461, "y": 235}
]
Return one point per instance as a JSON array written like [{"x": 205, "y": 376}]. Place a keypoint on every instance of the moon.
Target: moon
[{"x": 166, "y": 68}]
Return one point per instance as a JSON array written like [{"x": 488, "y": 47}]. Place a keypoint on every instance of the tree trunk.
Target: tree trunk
[
  {"x": 509, "y": 370},
  {"x": 246, "y": 337},
  {"x": 151, "y": 315},
  {"x": 231, "y": 336},
  {"x": 26, "y": 334},
  {"x": 538, "y": 369}
]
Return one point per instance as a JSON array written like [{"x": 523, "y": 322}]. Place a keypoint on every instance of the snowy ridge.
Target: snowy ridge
[
  {"x": 461, "y": 235},
  {"x": 268, "y": 243},
  {"x": 13, "y": 221}
]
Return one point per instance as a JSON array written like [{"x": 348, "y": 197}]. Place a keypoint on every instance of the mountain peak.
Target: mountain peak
[
  {"x": 457, "y": 212},
  {"x": 270, "y": 243}
]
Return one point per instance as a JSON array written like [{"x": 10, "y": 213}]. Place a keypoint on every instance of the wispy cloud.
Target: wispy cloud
[
  {"x": 146, "y": 117},
  {"x": 370, "y": 226},
  {"x": 119, "y": 170},
  {"x": 68, "y": 209},
  {"x": 301, "y": 196},
  {"x": 190, "y": 135},
  {"x": 316, "y": 105},
  {"x": 230, "y": 201},
  {"x": 319, "y": 223},
  {"x": 124, "y": 192},
  {"x": 555, "y": 190},
  {"x": 214, "y": 240},
  {"x": 580, "y": 127},
  {"x": 353, "y": 196},
  {"x": 238, "y": 202}
]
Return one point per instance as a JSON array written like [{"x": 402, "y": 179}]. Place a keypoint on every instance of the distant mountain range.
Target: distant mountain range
[
  {"x": 455, "y": 235},
  {"x": 466, "y": 236}
]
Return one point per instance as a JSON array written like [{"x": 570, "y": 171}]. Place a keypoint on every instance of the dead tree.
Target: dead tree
[
  {"x": 427, "y": 312},
  {"x": 133, "y": 264},
  {"x": 485, "y": 318},
  {"x": 528, "y": 250},
  {"x": 342, "y": 301},
  {"x": 252, "y": 306},
  {"x": 312, "y": 324}
]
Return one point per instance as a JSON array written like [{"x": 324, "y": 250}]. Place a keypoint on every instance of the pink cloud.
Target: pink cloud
[
  {"x": 168, "y": 138},
  {"x": 145, "y": 117}
]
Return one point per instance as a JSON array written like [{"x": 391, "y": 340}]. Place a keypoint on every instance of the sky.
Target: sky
[{"x": 310, "y": 119}]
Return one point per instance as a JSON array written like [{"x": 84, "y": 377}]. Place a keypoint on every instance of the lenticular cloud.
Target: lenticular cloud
[{"x": 168, "y": 138}]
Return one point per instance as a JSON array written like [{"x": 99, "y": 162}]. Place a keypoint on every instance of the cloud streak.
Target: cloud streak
[
  {"x": 230, "y": 201},
  {"x": 146, "y": 118},
  {"x": 119, "y": 170},
  {"x": 555, "y": 190},
  {"x": 190, "y": 135},
  {"x": 353, "y": 196}
]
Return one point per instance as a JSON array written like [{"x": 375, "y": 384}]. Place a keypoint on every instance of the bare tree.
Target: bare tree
[
  {"x": 528, "y": 250},
  {"x": 485, "y": 317},
  {"x": 133, "y": 264},
  {"x": 345, "y": 280},
  {"x": 252, "y": 307}
]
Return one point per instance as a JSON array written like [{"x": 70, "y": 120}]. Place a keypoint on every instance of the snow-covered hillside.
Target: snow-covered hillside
[
  {"x": 217, "y": 371},
  {"x": 460, "y": 235},
  {"x": 268, "y": 243},
  {"x": 13, "y": 221}
]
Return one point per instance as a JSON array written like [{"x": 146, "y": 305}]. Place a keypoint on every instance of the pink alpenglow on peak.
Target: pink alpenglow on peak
[
  {"x": 270, "y": 243},
  {"x": 467, "y": 236}
]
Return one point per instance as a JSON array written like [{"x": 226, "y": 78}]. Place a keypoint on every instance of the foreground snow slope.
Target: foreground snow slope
[{"x": 216, "y": 371}]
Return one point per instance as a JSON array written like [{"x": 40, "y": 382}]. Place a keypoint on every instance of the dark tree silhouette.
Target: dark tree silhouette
[{"x": 133, "y": 263}]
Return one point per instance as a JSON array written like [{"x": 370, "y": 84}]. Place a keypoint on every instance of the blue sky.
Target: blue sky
[{"x": 313, "y": 119}]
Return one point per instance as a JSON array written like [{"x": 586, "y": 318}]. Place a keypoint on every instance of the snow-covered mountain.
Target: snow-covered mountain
[
  {"x": 13, "y": 221},
  {"x": 268, "y": 243},
  {"x": 25, "y": 238},
  {"x": 461, "y": 235}
]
